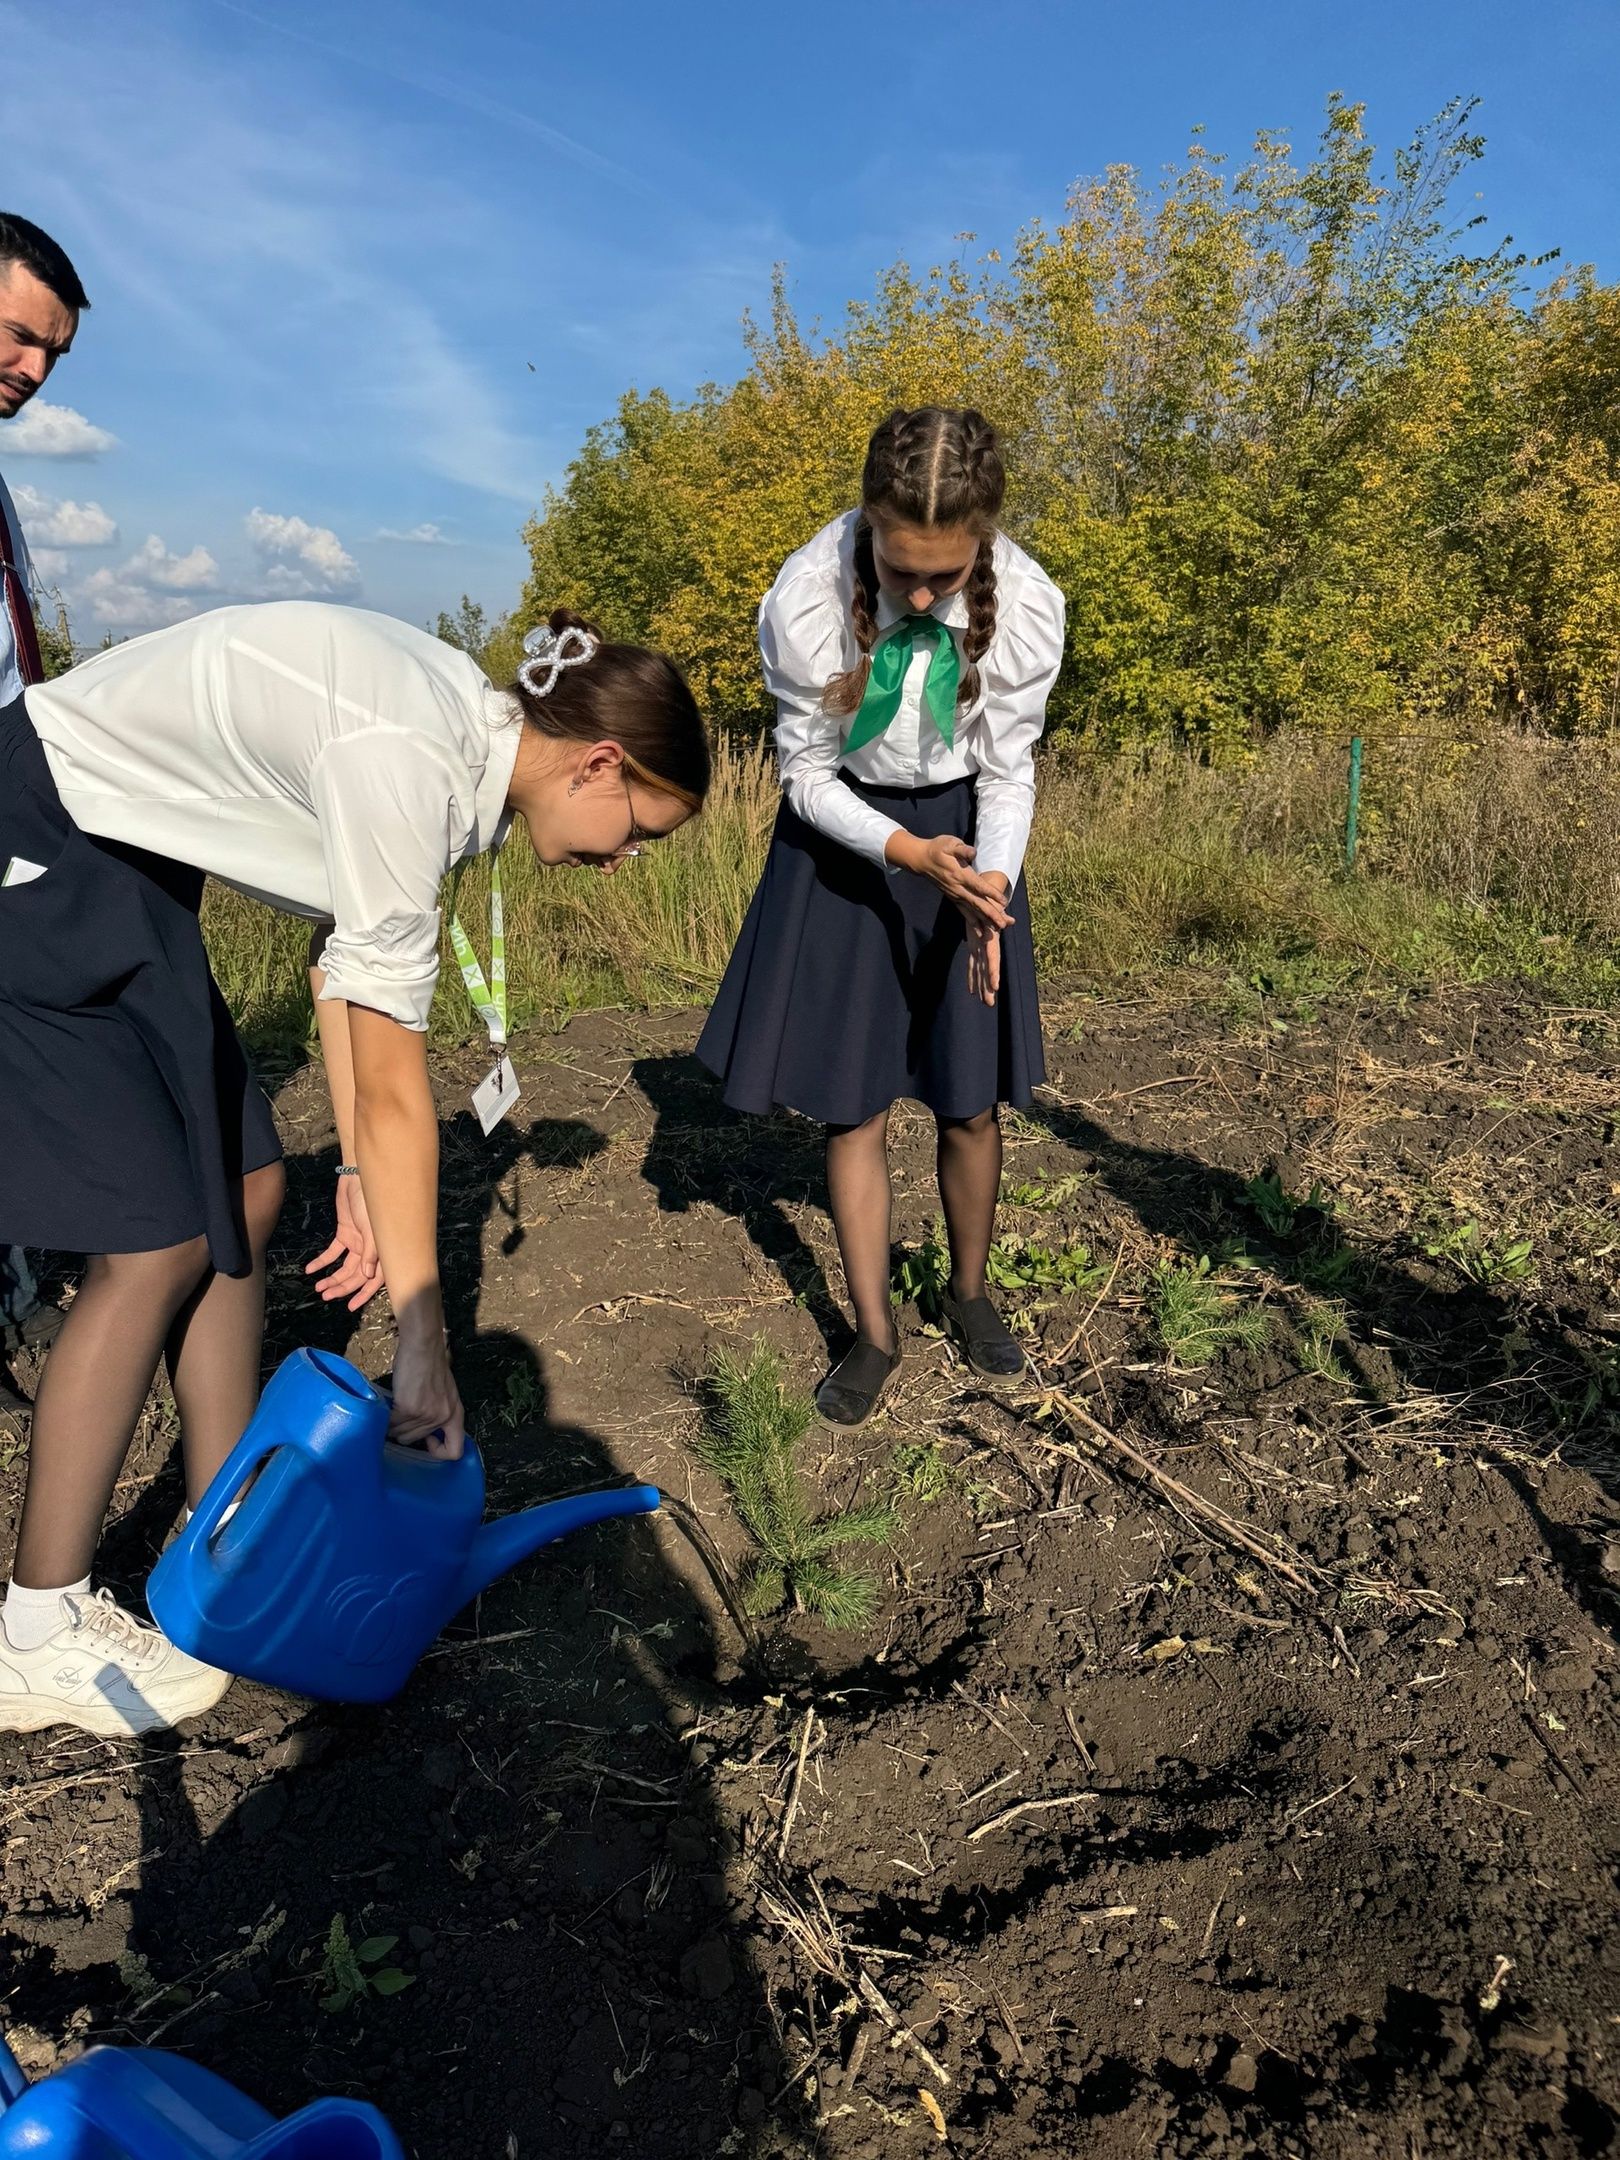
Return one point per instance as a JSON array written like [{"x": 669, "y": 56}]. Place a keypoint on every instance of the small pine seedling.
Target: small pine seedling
[
  {"x": 750, "y": 1441},
  {"x": 1193, "y": 1317}
]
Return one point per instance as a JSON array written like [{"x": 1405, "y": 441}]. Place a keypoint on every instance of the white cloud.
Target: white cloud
[
  {"x": 301, "y": 561},
  {"x": 418, "y": 536},
  {"x": 48, "y": 524},
  {"x": 51, "y": 566},
  {"x": 154, "y": 587},
  {"x": 268, "y": 209},
  {"x": 54, "y": 431}
]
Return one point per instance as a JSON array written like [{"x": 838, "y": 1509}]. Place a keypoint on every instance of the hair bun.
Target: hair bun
[{"x": 564, "y": 618}]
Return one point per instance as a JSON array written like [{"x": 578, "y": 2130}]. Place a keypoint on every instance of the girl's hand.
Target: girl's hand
[
  {"x": 983, "y": 961},
  {"x": 352, "y": 1255},
  {"x": 949, "y": 863},
  {"x": 427, "y": 1404}
]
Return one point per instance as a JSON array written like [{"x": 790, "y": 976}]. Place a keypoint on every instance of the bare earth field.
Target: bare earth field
[{"x": 1230, "y": 1767}]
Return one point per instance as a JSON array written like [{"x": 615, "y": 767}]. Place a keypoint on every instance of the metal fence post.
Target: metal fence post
[{"x": 1353, "y": 807}]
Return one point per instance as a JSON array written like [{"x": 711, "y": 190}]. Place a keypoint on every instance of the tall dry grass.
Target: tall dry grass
[{"x": 1498, "y": 856}]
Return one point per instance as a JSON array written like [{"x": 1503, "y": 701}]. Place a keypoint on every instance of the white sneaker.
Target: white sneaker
[{"x": 105, "y": 1672}]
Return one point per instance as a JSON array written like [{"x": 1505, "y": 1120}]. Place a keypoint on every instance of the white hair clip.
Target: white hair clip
[{"x": 550, "y": 651}]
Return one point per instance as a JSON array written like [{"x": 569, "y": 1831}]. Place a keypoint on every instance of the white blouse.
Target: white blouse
[
  {"x": 806, "y": 637},
  {"x": 332, "y": 762}
]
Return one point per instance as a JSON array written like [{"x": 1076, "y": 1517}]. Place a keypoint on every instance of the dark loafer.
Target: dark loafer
[
  {"x": 988, "y": 1344},
  {"x": 855, "y": 1386}
]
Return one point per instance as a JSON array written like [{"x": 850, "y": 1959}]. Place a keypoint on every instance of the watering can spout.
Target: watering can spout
[{"x": 501, "y": 1545}]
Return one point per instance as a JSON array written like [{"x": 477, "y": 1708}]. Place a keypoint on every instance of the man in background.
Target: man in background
[{"x": 41, "y": 301}]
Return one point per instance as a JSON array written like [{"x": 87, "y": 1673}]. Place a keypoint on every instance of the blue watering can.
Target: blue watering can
[
  {"x": 347, "y": 1554},
  {"x": 142, "y": 2104}
]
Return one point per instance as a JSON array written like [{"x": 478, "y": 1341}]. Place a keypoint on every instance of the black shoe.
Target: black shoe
[
  {"x": 856, "y": 1385},
  {"x": 987, "y": 1342}
]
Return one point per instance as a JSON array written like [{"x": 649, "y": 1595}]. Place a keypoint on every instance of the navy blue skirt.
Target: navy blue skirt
[
  {"x": 848, "y": 987},
  {"x": 129, "y": 1113}
]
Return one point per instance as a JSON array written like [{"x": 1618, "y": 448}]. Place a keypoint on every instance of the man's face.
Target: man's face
[{"x": 35, "y": 331}]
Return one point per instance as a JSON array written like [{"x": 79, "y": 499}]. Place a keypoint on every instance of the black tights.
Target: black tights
[
  {"x": 130, "y": 1310},
  {"x": 859, "y": 1193}
]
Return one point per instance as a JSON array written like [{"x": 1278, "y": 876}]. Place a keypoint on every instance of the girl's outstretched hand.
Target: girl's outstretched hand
[
  {"x": 356, "y": 1271},
  {"x": 949, "y": 863},
  {"x": 983, "y": 961}
]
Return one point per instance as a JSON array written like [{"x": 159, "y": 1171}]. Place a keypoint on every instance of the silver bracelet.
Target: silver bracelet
[{"x": 348, "y": 1169}]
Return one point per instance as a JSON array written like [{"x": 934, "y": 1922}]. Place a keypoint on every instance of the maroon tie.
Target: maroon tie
[{"x": 29, "y": 664}]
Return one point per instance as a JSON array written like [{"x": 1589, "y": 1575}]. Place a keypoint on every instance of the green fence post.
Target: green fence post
[{"x": 1353, "y": 808}]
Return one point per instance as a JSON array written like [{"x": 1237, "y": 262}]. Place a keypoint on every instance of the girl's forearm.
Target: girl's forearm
[
  {"x": 337, "y": 1051},
  {"x": 396, "y": 1146},
  {"x": 396, "y": 1141}
]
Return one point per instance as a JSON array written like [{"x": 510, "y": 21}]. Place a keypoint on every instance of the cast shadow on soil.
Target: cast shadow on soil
[
  {"x": 749, "y": 1167},
  {"x": 1403, "y": 1326},
  {"x": 531, "y": 1818}
]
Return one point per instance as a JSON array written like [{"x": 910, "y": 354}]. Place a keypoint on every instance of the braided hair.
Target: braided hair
[{"x": 931, "y": 466}]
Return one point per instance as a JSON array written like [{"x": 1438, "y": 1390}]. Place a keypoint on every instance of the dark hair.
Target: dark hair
[
  {"x": 21, "y": 242},
  {"x": 626, "y": 695},
  {"x": 932, "y": 466}
]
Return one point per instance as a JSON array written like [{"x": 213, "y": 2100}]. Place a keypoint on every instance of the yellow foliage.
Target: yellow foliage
[{"x": 1293, "y": 454}]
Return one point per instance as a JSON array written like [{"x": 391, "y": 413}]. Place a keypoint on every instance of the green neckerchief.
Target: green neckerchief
[{"x": 891, "y": 657}]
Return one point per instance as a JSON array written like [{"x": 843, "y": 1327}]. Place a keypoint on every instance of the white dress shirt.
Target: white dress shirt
[
  {"x": 332, "y": 762},
  {"x": 806, "y": 637},
  {"x": 11, "y": 682}
]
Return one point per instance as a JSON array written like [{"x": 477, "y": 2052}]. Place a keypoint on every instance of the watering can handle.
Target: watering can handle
[{"x": 248, "y": 1455}]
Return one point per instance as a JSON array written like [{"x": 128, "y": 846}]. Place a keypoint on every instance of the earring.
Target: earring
[{"x": 573, "y": 787}]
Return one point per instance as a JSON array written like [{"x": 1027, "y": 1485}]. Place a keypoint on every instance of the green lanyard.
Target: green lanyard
[{"x": 488, "y": 997}]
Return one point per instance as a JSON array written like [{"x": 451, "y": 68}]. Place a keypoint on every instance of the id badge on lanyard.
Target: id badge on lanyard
[{"x": 498, "y": 1091}]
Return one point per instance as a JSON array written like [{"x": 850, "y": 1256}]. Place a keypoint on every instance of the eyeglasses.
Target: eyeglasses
[{"x": 629, "y": 849}]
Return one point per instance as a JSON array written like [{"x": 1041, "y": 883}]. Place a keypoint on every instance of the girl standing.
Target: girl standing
[
  {"x": 910, "y": 648},
  {"x": 335, "y": 764}
]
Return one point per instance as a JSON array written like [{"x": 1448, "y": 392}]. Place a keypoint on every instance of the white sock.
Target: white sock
[{"x": 31, "y": 1617}]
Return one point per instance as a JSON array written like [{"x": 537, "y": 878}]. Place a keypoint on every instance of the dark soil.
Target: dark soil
[{"x": 1112, "y": 1835}]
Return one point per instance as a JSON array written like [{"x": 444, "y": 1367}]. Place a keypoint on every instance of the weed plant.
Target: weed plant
[{"x": 351, "y": 1971}]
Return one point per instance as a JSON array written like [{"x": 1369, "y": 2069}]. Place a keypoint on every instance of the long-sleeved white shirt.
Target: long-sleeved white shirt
[
  {"x": 806, "y": 637},
  {"x": 332, "y": 762}
]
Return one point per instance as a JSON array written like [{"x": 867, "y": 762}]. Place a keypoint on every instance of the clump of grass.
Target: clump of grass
[
  {"x": 1194, "y": 1315},
  {"x": 1020, "y": 1264},
  {"x": 750, "y": 1440},
  {"x": 1486, "y": 1261},
  {"x": 921, "y": 1275},
  {"x": 1283, "y": 1212},
  {"x": 1476, "y": 860},
  {"x": 923, "y": 1471},
  {"x": 1042, "y": 1194}
]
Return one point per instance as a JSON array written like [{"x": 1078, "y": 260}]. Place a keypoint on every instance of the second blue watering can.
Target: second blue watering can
[
  {"x": 347, "y": 1554},
  {"x": 142, "y": 2104}
]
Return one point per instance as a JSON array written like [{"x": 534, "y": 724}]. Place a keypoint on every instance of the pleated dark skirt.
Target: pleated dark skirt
[
  {"x": 128, "y": 1110},
  {"x": 848, "y": 987}
]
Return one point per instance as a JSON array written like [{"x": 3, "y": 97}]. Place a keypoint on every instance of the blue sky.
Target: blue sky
[{"x": 363, "y": 271}]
